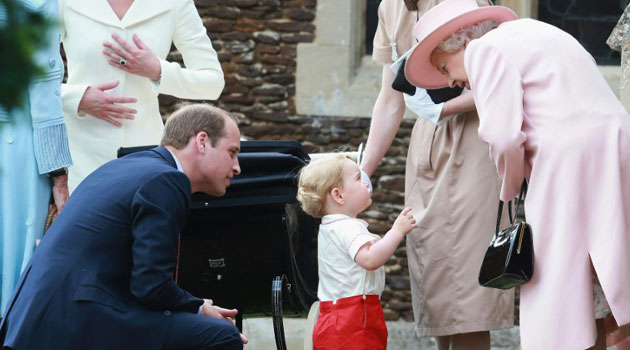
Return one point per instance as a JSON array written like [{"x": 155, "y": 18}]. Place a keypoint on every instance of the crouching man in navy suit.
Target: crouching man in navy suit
[{"x": 102, "y": 277}]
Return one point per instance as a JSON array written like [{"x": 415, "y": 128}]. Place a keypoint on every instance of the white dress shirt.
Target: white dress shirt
[{"x": 340, "y": 238}]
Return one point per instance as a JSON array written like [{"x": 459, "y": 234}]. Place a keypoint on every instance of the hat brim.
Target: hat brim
[{"x": 418, "y": 69}]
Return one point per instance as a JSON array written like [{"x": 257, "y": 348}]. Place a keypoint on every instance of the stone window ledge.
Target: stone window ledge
[
  {"x": 327, "y": 92},
  {"x": 335, "y": 79}
]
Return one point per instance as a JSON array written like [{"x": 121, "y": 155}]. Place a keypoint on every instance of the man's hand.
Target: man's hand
[{"x": 207, "y": 309}]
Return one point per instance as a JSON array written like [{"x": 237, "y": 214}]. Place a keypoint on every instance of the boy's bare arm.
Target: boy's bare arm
[{"x": 371, "y": 256}]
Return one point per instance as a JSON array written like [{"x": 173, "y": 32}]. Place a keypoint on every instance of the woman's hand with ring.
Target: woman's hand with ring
[
  {"x": 136, "y": 59},
  {"x": 99, "y": 104}
]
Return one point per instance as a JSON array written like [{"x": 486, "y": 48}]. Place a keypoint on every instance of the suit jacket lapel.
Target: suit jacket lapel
[{"x": 166, "y": 155}]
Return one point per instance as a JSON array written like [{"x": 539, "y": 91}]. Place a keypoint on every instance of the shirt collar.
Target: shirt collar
[
  {"x": 179, "y": 165},
  {"x": 330, "y": 218}
]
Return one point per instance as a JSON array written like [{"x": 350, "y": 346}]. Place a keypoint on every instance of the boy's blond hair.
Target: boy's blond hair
[{"x": 317, "y": 179}]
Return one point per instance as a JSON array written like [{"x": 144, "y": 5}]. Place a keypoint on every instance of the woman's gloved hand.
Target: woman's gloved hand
[
  {"x": 364, "y": 176},
  {"x": 422, "y": 105}
]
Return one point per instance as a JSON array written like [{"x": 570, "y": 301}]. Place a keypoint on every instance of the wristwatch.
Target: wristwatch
[{"x": 58, "y": 172}]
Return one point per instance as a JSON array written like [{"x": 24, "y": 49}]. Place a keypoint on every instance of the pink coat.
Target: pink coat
[{"x": 549, "y": 115}]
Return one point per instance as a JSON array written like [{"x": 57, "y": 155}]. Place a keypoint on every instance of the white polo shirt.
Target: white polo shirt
[{"x": 340, "y": 238}]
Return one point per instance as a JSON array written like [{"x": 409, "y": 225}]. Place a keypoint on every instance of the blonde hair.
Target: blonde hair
[
  {"x": 318, "y": 178},
  {"x": 456, "y": 41}
]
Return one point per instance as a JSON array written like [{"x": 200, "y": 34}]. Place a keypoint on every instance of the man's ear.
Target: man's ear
[
  {"x": 337, "y": 196},
  {"x": 200, "y": 140}
]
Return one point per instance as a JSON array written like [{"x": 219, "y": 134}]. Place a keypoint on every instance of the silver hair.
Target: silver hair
[{"x": 457, "y": 40}]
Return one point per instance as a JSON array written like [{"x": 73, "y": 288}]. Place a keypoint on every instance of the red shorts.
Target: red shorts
[{"x": 353, "y": 323}]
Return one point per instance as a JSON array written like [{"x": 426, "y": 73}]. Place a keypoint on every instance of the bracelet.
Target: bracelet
[{"x": 58, "y": 172}]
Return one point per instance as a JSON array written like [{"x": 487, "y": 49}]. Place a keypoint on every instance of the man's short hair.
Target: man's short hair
[{"x": 190, "y": 120}]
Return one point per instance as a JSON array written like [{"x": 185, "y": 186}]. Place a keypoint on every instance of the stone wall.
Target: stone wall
[{"x": 256, "y": 42}]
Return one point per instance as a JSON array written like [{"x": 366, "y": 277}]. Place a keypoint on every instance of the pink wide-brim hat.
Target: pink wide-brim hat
[{"x": 436, "y": 25}]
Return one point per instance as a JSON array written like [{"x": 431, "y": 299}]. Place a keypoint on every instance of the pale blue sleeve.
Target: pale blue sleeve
[
  {"x": 4, "y": 115},
  {"x": 50, "y": 138},
  {"x": 51, "y": 148}
]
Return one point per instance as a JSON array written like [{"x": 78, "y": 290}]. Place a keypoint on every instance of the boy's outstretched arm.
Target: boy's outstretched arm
[{"x": 371, "y": 256}]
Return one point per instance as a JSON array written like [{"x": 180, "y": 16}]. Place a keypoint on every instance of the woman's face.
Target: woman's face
[{"x": 451, "y": 65}]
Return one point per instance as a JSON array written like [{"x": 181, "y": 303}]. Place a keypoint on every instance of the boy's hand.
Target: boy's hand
[{"x": 405, "y": 222}]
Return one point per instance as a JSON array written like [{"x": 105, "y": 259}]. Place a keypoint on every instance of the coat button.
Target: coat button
[
  {"x": 52, "y": 63},
  {"x": 9, "y": 139},
  {"x": 167, "y": 313}
]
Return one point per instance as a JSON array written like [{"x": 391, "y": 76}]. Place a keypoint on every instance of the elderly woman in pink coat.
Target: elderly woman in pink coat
[{"x": 548, "y": 116}]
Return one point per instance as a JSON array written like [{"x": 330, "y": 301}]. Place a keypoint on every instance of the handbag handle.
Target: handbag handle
[{"x": 519, "y": 201}]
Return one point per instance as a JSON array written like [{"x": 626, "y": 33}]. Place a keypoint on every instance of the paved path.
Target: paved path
[{"x": 401, "y": 336}]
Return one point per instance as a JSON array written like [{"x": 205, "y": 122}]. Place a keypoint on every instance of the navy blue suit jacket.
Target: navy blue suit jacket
[{"x": 102, "y": 277}]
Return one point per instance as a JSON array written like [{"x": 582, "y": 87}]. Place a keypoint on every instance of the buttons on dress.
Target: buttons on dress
[
  {"x": 57, "y": 91},
  {"x": 167, "y": 313},
  {"x": 52, "y": 63},
  {"x": 9, "y": 139}
]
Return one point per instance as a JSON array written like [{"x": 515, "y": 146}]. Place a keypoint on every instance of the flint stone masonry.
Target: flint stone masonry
[
  {"x": 257, "y": 44},
  {"x": 256, "y": 41}
]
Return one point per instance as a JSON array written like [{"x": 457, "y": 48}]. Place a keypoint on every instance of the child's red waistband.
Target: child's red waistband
[{"x": 340, "y": 303}]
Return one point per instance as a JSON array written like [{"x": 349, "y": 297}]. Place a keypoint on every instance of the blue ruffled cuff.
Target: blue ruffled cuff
[
  {"x": 51, "y": 148},
  {"x": 4, "y": 115}
]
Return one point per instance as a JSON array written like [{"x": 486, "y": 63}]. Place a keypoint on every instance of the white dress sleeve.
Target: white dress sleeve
[{"x": 202, "y": 78}]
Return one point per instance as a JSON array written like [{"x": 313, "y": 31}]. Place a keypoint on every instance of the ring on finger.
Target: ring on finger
[{"x": 122, "y": 61}]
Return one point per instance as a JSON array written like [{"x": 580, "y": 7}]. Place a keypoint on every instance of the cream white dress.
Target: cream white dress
[{"x": 85, "y": 25}]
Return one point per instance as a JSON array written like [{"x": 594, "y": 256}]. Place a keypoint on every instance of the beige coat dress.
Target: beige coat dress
[{"x": 453, "y": 188}]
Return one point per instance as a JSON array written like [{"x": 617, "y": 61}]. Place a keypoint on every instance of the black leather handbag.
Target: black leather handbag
[{"x": 509, "y": 260}]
